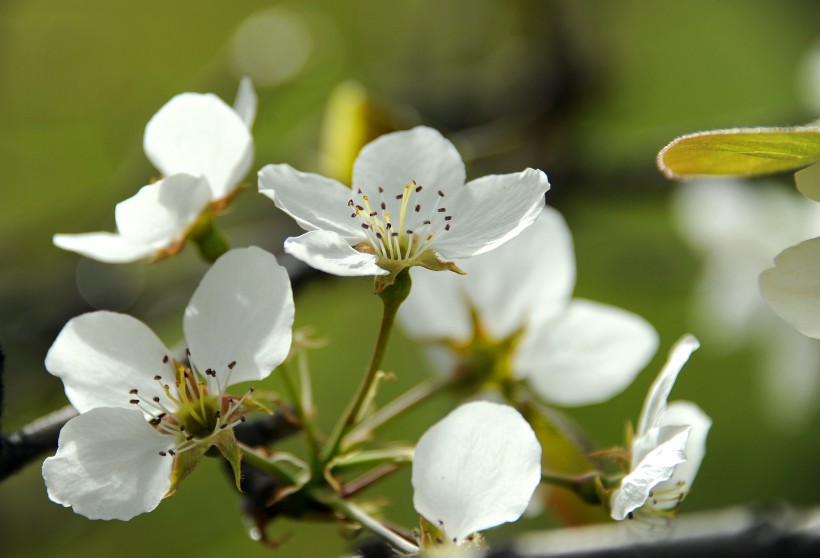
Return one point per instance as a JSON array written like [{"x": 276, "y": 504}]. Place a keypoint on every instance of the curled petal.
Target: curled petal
[
  {"x": 791, "y": 287},
  {"x": 200, "y": 135},
  {"x": 588, "y": 354},
  {"x": 655, "y": 404},
  {"x": 475, "y": 469},
  {"x": 104, "y": 246},
  {"x": 102, "y": 356},
  {"x": 108, "y": 465},
  {"x": 160, "y": 213},
  {"x": 242, "y": 313},
  {"x": 315, "y": 202},
  {"x": 689, "y": 414},
  {"x": 657, "y": 466},
  {"x": 329, "y": 252},
  {"x": 490, "y": 211}
]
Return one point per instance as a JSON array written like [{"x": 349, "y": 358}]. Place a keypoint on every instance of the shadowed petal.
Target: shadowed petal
[
  {"x": 101, "y": 356},
  {"x": 246, "y": 102},
  {"x": 791, "y": 287},
  {"x": 242, "y": 311},
  {"x": 475, "y": 469},
  {"x": 329, "y": 252},
  {"x": 107, "y": 465},
  {"x": 104, "y": 246}
]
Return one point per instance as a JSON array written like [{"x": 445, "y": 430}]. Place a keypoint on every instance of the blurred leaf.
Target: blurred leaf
[{"x": 741, "y": 152}]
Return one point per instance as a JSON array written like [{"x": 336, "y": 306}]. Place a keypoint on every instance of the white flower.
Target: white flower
[
  {"x": 738, "y": 227},
  {"x": 669, "y": 445},
  {"x": 409, "y": 206},
  {"x": 572, "y": 351},
  {"x": 203, "y": 148},
  {"x": 141, "y": 409},
  {"x": 475, "y": 469}
]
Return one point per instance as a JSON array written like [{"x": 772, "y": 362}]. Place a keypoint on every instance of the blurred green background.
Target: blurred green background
[{"x": 588, "y": 91}]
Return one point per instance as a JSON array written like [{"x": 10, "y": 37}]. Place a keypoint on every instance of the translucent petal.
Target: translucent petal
[
  {"x": 791, "y": 287},
  {"x": 160, "y": 213},
  {"x": 588, "y": 354},
  {"x": 655, "y": 404},
  {"x": 246, "y": 102},
  {"x": 242, "y": 311},
  {"x": 421, "y": 154},
  {"x": 198, "y": 134},
  {"x": 685, "y": 413},
  {"x": 108, "y": 465},
  {"x": 104, "y": 246},
  {"x": 657, "y": 466},
  {"x": 315, "y": 202},
  {"x": 475, "y": 469},
  {"x": 101, "y": 356},
  {"x": 329, "y": 252},
  {"x": 490, "y": 211}
]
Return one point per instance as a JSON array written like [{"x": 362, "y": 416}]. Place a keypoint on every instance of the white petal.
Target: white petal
[
  {"x": 241, "y": 311},
  {"x": 329, "y": 252},
  {"x": 656, "y": 467},
  {"x": 808, "y": 181},
  {"x": 315, "y": 202},
  {"x": 437, "y": 308},
  {"x": 101, "y": 356},
  {"x": 475, "y": 469},
  {"x": 200, "y": 135},
  {"x": 490, "y": 211},
  {"x": 421, "y": 154},
  {"x": 537, "y": 280},
  {"x": 246, "y": 102},
  {"x": 586, "y": 355},
  {"x": 160, "y": 213},
  {"x": 655, "y": 403},
  {"x": 108, "y": 465},
  {"x": 792, "y": 288},
  {"x": 104, "y": 246},
  {"x": 685, "y": 413}
]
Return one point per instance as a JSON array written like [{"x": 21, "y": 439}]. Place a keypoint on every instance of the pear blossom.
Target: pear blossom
[
  {"x": 669, "y": 445},
  {"x": 475, "y": 469},
  {"x": 514, "y": 306},
  {"x": 737, "y": 228},
  {"x": 203, "y": 148},
  {"x": 142, "y": 409},
  {"x": 409, "y": 205}
]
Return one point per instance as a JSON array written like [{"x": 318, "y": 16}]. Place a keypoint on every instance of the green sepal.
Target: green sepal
[
  {"x": 184, "y": 465},
  {"x": 428, "y": 259},
  {"x": 741, "y": 152},
  {"x": 225, "y": 441}
]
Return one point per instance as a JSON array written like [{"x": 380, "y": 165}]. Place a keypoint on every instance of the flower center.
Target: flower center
[
  {"x": 404, "y": 237},
  {"x": 188, "y": 412}
]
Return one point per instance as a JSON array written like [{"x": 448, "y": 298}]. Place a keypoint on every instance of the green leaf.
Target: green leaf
[
  {"x": 741, "y": 152},
  {"x": 225, "y": 441}
]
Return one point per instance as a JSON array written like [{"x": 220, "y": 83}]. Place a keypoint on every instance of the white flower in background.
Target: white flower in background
[
  {"x": 409, "y": 206},
  {"x": 792, "y": 288},
  {"x": 668, "y": 447},
  {"x": 141, "y": 409},
  {"x": 572, "y": 351},
  {"x": 738, "y": 228},
  {"x": 203, "y": 148},
  {"x": 475, "y": 469}
]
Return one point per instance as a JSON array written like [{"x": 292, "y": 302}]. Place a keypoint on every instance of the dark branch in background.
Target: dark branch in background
[
  {"x": 24, "y": 446},
  {"x": 780, "y": 532}
]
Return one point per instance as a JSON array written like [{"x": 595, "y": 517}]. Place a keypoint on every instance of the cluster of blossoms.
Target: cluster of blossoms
[{"x": 505, "y": 318}]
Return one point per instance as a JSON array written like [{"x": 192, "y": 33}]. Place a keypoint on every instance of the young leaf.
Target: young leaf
[{"x": 741, "y": 152}]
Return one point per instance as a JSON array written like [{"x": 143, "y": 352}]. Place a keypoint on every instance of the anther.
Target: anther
[
  {"x": 187, "y": 351},
  {"x": 182, "y": 428},
  {"x": 189, "y": 437},
  {"x": 374, "y": 213},
  {"x": 163, "y": 454},
  {"x": 447, "y": 227},
  {"x": 172, "y": 452},
  {"x": 232, "y": 364},
  {"x": 442, "y": 209},
  {"x": 418, "y": 207},
  {"x": 223, "y": 426},
  {"x": 381, "y": 190},
  {"x": 350, "y": 203},
  {"x": 440, "y": 193},
  {"x": 384, "y": 206},
  {"x": 418, "y": 188},
  {"x": 133, "y": 392},
  {"x": 426, "y": 222},
  {"x": 399, "y": 196},
  {"x": 379, "y": 235},
  {"x": 165, "y": 359},
  {"x": 360, "y": 208},
  {"x": 134, "y": 401},
  {"x": 365, "y": 226},
  {"x": 409, "y": 231},
  {"x": 157, "y": 378},
  {"x": 352, "y": 215},
  {"x": 448, "y": 217},
  {"x": 155, "y": 399}
]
